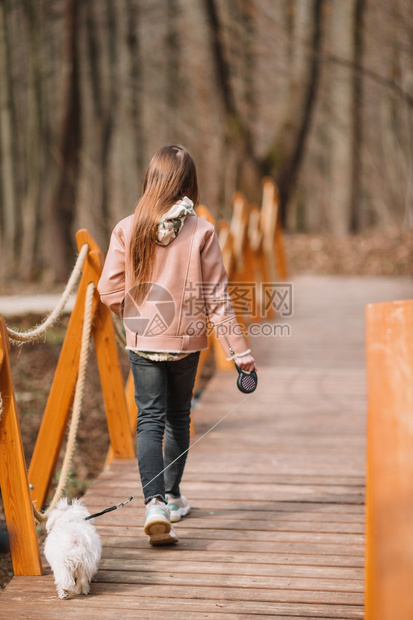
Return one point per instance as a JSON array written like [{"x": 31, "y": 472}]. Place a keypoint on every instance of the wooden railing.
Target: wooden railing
[
  {"x": 14, "y": 481},
  {"x": 252, "y": 249}
]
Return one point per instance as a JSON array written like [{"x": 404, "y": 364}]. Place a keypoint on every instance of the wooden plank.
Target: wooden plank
[
  {"x": 49, "y": 613},
  {"x": 103, "y": 589},
  {"x": 202, "y": 542},
  {"x": 337, "y": 539},
  {"x": 319, "y": 590},
  {"x": 125, "y": 469},
  {"x": 131, "y": 482},
  {"x": 293, "y": 515},
  {"x": 237, "y": 477},
  {"x": 318, "y": 504},
  {"x": 199, "y": 555},
  {"x": 129, "y": 601},
  {"x": 261, "y": 491},
  {"x": 253, "y": 567},
  {"x": 265, "y": 525},
  {"x": 246, "y": 476}
]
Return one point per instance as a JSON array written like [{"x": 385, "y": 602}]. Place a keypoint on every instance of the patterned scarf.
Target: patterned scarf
[{"x": 173, "y": 220}]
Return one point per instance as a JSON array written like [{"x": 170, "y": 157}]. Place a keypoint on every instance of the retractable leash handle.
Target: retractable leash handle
[{"x": 247, "y": 381}]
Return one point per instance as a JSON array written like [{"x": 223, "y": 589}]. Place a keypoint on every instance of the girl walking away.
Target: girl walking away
[{"x": 165, "y": 277}]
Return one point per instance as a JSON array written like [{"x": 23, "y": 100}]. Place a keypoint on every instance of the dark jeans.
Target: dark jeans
[{"x": 163, "y": 393}]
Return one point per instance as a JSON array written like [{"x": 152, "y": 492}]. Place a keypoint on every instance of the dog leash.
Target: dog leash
[
  {"x": 103, "y": 512},
  {"x": 122, "y": 504}
]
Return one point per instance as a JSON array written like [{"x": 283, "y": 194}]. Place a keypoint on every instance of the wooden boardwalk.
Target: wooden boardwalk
[{"x": 277, "y": 526}]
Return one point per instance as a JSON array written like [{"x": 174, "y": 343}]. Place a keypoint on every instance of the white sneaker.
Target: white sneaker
[
  {"x": 158, "y": 524},
  {"x": 178, "y": 507}
]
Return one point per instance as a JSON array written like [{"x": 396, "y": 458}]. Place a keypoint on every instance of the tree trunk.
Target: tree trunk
[
  {"x": 341, "y": 126},
  {"x": 240, "y": 156},
  {"x": 306, "y": 69},
  {"x": 31, "y": 201},
  {"x": 358, "y": 214},
  {"x": 62, "y": 208},
  {"x": 8, "y": 212}
]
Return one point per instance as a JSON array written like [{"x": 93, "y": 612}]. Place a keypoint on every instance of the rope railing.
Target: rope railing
[{"x": 37, "y": 332}]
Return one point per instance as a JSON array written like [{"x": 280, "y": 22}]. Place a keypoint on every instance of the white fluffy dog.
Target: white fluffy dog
[{"x": 72, "y": 548}]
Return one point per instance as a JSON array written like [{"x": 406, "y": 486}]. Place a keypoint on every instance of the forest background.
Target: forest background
[{"x": 316, "y": 93}]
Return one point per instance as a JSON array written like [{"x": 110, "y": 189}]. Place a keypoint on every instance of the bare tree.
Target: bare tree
[
  {"x": 341, "y": 126},
  {"x": 32, "y": 197},
  {"x": 300, "y": 106},
  {"x": 62, "y": 206},
  {"x": 241, "y": 162},
  {"x": 358, "y": 215},
  {"x": 8, "y": 176}
]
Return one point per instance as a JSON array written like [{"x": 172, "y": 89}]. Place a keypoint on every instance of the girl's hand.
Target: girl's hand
[{"x": 246, "y": 362}]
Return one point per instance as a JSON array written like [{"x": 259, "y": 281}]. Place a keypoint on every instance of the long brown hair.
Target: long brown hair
[{"x": 170, "y": 176}]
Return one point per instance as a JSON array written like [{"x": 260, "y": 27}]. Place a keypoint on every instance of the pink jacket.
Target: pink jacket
[{"x": 189, "y": 288}]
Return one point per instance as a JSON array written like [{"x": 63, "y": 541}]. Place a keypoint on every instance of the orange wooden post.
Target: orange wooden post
[
  {"x": 268, "y": 224},
  {"x": 280, "y": 251},
  {"x": 57, "y": 412},
  {"x": 254, "y": 257},
  {"x": 205, "y": 213},
  {"x": 246, "y": 241},
  {"x": 112, "y": 385},
  {"x": 132, "y": 415},
  {"x": 13, "y": 475},
  {"x": 239, "y": 231},
  {"x": 389, "y": 520},
  {"x": 227, "y": 249},
  {"x": 131, "y": 403},
  {"x": 226, "y": 243},
  {"x": 273, "y": 245},
  {"x": 204, "y": 356}
]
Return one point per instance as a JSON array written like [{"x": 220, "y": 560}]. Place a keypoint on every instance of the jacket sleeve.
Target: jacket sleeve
[
  {"x": 111, "y": 285},
  {"x": 218, "y": 303}
]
